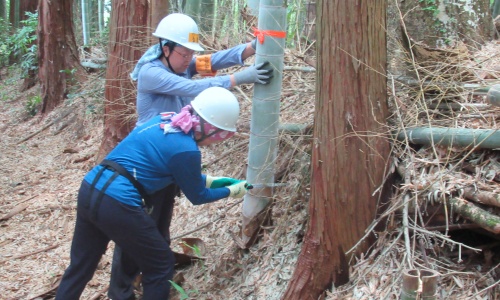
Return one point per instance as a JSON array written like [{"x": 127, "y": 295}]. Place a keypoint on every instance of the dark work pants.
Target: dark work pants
[
  {"x": 124, "y": 269},
  {"x": 129, "y": 227}
]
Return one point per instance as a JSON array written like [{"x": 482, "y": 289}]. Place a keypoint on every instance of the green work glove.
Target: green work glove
[
  {"x": 217, "y": 182},
  {"x": 237, "y": 190}
]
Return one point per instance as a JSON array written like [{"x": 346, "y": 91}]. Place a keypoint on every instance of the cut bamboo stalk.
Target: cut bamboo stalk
[
  {"x": 262, "y": 149},
  {"x": 419, "y": 284},
  {"x": 453, "y": 137}
]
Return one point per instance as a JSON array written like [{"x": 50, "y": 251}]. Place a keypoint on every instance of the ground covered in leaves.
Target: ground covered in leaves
[{"x": 44, "y": 160}]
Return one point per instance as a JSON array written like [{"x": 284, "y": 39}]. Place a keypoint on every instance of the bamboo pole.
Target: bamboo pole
[
  {"x": 454, "y": 137},
  {"x": 262, "y": 150},
  {"x": 253, "y": 6}
]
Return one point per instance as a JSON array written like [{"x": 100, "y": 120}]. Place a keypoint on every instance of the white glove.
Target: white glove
[{"x": 237, "y": 190}]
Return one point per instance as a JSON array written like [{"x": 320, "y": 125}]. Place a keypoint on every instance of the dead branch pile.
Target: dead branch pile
[{"x": 444, "y": 188}]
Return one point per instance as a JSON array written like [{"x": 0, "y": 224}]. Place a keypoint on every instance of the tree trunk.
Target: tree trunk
[
  {"x": 127, "y": 34},
  {"x": 2, "y": 10},
  {"x": 496, "y": 9},
  {"x": 440, "y": 23},
  {"x": 350, "y": 152},
  {"x": 26, "y": 6},
  {"x": 158, "y": 10},
  {"x": 57, "y": 52},
  {"x": 14, "y": 15}
]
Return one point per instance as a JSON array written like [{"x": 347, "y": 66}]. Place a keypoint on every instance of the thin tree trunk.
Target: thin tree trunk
[
  {"x": 57, "y": 52},
  {"x": 2, "y": 10},
  {"x": 14, "y": 15},
  {"x": 350, "y": 151},
  {"x": 158, "y": 10},
  {"x": 127, "y": 35}
]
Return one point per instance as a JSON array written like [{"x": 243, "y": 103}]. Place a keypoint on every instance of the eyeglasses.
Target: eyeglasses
[{"x": 185, "y": 56}]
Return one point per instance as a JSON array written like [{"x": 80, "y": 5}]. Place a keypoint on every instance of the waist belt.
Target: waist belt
[{"x": 114, "y": 166}]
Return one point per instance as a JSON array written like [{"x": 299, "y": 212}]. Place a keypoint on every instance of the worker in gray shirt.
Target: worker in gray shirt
[{"x": 164, "y": 74}]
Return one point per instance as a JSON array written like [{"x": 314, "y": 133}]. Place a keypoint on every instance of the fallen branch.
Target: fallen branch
[
  {"x": 481, "y": 217},
  {"x": 31, "y": 253},
  {"x": 17, "y": 209},
  {"x": 46, "y": 126},
  {"x": 482, "y": 197}
]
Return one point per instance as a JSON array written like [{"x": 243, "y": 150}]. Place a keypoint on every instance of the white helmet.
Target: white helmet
[
  {"x": 181, "y": 29},
  {"x": 218, "y": 107}
]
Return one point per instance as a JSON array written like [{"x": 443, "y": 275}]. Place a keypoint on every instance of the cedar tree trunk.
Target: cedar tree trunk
[
  {"x": 350, "y": 151},
  {"x": 127, "y": 35},
  {"x": 57, "y": 52}
]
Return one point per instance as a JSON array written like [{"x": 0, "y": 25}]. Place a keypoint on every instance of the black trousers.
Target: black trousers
[
  {"x": 124, "y": 269},
  {"x": 129, "y": 227}
]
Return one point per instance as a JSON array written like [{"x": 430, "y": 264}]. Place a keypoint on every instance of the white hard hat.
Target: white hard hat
[
  {"x": 217, "y": 106},
  {"x": 181, "y": 29}
]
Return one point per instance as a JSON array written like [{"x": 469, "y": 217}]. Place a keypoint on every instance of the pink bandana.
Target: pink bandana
[{"x": 185, "y": 120}]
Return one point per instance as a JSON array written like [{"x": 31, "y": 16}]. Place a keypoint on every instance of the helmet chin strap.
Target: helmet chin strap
[
  {"x": 170, "y": 49},
  {"x": 203, "y": 135}
]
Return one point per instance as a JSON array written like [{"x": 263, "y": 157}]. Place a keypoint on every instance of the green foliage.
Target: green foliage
[
  {"x": 195, "y": 249},
  {"x": 21, "y": 44},
  {"x": 430, "y": 5},
  {"x": 182, "y": 293},
  {"x": 33, "y": 105}
]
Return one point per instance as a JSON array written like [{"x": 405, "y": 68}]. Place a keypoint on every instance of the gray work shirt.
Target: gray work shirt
[{"x": 161, "y": 90}]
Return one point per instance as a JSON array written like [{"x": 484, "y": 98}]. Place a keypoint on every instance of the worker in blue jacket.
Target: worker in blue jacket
[
  {"x": 165, "y": 83},
  {"x": 113, "y": 197}
]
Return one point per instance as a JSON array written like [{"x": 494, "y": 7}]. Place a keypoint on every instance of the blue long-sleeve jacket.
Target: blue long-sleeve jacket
[{"x": 157, "y": 160}]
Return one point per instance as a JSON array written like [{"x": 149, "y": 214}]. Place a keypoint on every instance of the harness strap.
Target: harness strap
[
  {"x": 94, "y": 182},
  {"x": 122, "y": 171},
  {"x": 101, "y": 193}
]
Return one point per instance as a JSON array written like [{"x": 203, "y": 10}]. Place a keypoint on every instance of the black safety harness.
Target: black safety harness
[{"x": 118, "y": 170}]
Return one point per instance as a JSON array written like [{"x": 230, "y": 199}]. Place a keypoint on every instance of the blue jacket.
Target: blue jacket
[{"x": 157, "y": 160}]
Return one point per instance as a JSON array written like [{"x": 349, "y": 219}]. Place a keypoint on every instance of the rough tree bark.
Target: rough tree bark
[
  {"x": 127, "y": 34},
  {"x": 158, "y": 10},
  {"x": 57, "y": 52},
  {"x": 350, "y": 151}
]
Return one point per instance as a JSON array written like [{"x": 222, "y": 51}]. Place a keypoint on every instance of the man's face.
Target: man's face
[{"x": 179, "y": 58}]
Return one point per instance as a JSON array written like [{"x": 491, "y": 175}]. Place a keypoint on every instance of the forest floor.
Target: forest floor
[{"x": 44, "y": 160}]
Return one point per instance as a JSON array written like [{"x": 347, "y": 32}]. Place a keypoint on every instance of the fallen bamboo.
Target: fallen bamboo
[{"x": 453, "y": 137}]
